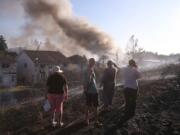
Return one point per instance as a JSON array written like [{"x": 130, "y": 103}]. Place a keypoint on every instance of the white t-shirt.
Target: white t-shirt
[{"x": 130, "y": 77}]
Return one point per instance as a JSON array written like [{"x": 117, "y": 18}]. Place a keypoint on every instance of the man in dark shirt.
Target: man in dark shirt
[{"x": 57, "y": 94}]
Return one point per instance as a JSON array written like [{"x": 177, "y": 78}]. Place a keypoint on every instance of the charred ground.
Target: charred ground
[{"x": 157, "y": 113}]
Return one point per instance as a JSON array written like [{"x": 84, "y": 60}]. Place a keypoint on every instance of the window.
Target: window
[
  {"x": 13, "y": 78},
  {"x": 42, "y": 66},
  {"x": 5, "y": 65},
  {"x": 0, "y": 79},
  {"x": 25, "y": 65}
]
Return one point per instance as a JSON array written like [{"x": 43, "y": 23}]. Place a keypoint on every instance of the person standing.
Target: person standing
[
  {"x": 57, "y": 94},
  {"x": 108, "y": 83},
  {"x": 131, "y": 76},
  {"x": 90, "y": 90}
]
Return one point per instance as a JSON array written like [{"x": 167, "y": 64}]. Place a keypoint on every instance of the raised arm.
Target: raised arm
[
  {"x": 66, "y": 91},
  {"x": 138, "y": 74},
  {"x": 103, "y": 78}
]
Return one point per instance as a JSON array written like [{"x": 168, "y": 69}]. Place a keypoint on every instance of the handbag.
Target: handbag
[{"x": 46, "y": 105}]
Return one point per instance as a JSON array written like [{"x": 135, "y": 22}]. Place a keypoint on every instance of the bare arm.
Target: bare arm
[
  {"x": 103, "y": 78},
  {"x": 66, "y": 91},
  {"x": 85, "y": 80},
  {"x": 138, "y": 75}
]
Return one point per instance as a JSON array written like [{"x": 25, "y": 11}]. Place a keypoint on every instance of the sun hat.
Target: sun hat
[{"x": 57, "y": 69}]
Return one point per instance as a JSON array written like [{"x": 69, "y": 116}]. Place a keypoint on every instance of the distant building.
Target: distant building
[
  {"x": 150, "y": 63},
  {"x": 8, "y": 68},
  {"x": 35, "y": 66},
  {"x": 75, "y": 66},
  {"x": 77, "y": 59}
]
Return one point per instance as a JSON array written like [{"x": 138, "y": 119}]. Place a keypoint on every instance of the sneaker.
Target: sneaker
[
  {"x": 61, "y": 124},
  {"x": 54, "y": 123}
]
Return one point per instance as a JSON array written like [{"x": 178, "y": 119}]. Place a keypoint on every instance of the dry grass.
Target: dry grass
[{"x": 13, "y": 89}]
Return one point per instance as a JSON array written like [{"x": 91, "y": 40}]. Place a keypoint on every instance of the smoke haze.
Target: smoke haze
[{"x": 54, "y": 22}]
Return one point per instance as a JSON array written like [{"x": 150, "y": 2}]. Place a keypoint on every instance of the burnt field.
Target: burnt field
[{"x": 158, "y": 113}]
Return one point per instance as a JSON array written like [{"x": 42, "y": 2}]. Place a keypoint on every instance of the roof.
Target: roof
[
  {"x": 46, "y": 57},
  {"x": 6, "y": 57},
  {"x": 77, "y": 59}
]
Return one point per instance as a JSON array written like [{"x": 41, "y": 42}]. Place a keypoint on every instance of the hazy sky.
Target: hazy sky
[{"x": 156, "y": 23}]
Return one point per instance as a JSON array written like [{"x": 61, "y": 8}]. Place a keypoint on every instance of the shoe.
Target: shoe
[
  {"x": 98, "y": 124},
  {"x": 61, "y": 124},
  {"x": 104, "y": 108},
  {"x": 54, "y": 123},
  {"x": 86, "y": 122}
]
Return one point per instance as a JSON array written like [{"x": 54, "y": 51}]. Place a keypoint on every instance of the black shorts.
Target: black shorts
[{"x": 92, "y": 99}]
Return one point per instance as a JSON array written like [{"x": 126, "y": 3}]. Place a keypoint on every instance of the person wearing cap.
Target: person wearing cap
[
  {"x": 90, "y": 90},
  {"x": 130, "y": 77},
  {"x": 108, "y": 83},
  {"x": 57, "y": 93}
]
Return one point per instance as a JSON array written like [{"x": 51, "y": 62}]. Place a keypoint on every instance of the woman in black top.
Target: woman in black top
[{"x": 57, "y": 93}]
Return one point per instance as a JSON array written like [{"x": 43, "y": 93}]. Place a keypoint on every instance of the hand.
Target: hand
[
  {"x": 84, "y": 93},
  {"x": 45, "y": 97},
  {"x": 100, "y": 85},
  {"x": 65, "y": 97},
  {"x": 84, "y": 88}
]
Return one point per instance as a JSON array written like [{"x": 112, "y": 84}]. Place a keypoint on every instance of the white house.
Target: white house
[
  {"x": 8, "y": 69},
  {"x": 35, "y": 66}
]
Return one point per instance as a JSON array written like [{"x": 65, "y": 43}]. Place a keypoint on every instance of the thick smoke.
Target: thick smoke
[{"x": 55, "y": 20}]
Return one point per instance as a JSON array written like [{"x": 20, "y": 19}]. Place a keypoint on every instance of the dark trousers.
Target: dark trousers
[
  {"x": 130, "y": 96},
  {"x": 130, "y": 101},
  {"x": 108, "y": 93}
]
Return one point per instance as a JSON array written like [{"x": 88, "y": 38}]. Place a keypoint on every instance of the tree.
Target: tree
[
  {"x": 3, "y": 45},
  {"x": 133, "y": 50}
]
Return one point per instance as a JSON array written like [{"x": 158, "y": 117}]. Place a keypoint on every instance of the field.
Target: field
[{"x": 157, "y": 113}]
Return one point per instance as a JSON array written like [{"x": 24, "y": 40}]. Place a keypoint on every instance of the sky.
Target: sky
[{"x": 155, "y": 23}]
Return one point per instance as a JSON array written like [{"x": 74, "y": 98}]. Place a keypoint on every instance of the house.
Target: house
[
  {"x": 76, "y": 63},
  {"x": 74, "y": 68},
  {"x": 8, "y": 69},
  {"x": 77, "y": 59},
  {"x": 150, "y": 63},
  {"x": 35, "y": 66}
]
